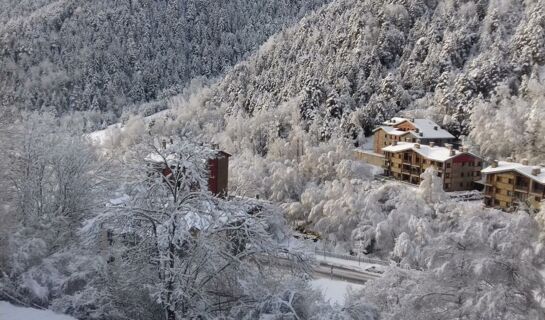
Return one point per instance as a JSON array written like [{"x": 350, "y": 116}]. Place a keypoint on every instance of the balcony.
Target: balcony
[
  {"x": 538, "y": 188},
  {"x": 522, "y": 184},
  {"x": 487, "y": 180},
  {"x": 521, "y": 196}
]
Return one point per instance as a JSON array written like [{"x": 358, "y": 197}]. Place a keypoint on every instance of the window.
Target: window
[
  {"x": 447, "y": 185},
  {"x": 538, "y": 188},
  {"x": 510, "y": 181},
  {"x": 439, "y": 174},
  {"x": 461, "y": 174},
  {"x": 461, "y": 184},
  {"x": 447, "y": 175},
  {"x": 479, "y": 164},
  {"x": 448, "y": 165}
]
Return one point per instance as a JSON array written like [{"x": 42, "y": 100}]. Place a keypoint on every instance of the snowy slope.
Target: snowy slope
[
  {"x": 11, "y": 312},
  {"x": 334, "y": 290}
]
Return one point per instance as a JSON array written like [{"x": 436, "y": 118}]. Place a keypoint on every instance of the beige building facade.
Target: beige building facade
[
  {"x": 409, "y": 130},
  {"x": 508, "y": 185},
  {"x": 459, "y": 169}
]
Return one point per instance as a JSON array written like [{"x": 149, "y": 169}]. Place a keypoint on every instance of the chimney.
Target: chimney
[
  {"x": 417, "y": 130},
  {"x": 536, "y": 171},
  {"x": 417, "y": 145},
  {"x": 435, "y": 128},
  {"x": 494, "y": 163},
  {"x": 418, "y": 141},
  {"x": 524, "y": 162},
  {"x": 450, "y": 149},
  {"x": 394, "y": 143},
  {"x": 432, "y": 144},
  {"x": 420, "y": 134},
  {"x": 164, "y": 143}
]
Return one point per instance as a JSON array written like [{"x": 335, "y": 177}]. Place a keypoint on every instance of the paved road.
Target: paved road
[
  {"x": 325, "y": 270},
  {"x": 332, "y": 270}
]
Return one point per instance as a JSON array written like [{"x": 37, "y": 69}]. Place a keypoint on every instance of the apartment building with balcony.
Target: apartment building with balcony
[
  {"x": 508, "y": 185},
  {"x": 406, "y": 161},
  {"x": 409, "y": 130},
  {"x": 402, "y": 130}
]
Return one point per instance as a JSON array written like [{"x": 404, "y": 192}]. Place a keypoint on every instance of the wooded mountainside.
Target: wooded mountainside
[
  {"x": 288, "y": 87},
  {"x": 105, "y": 55},
  {"x": 380, "y": 57}
]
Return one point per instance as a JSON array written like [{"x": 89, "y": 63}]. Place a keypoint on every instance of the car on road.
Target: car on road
[{"x": 374, "y": 270}]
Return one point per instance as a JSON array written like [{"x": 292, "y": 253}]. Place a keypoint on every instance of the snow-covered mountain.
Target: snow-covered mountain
[
  {"x": 103, "y": 55},
  {"x": 288, "y": 92},
  {"x": 379, "y": 57}
]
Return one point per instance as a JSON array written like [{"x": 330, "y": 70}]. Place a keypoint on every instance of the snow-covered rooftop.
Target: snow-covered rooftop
[
  {"x": 430, "y": 130},
  {"x": 394, "y": 121},
  {"x": 526, "y": 170},
  {"x": 427, "y": 129},
  {"x": 435, "y": 153},
  {"x": 157, "y": 158},
  {"x": 392, "y": 130}
]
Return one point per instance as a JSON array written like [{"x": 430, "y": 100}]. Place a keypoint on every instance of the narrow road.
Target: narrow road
[{"x": 325, "y": 270}]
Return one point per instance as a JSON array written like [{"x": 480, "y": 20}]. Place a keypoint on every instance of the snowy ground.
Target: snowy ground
[
  {"x": 11, "y": 312},
  {"x": 334, "y": 290}
]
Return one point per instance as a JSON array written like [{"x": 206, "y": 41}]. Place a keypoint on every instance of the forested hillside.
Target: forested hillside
[
  {"x": 120, "y": 224},
  {"x": 379, "y": 57},
  {"x": 473, "y": 66},
  {"x": 103, "y": 55}
]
